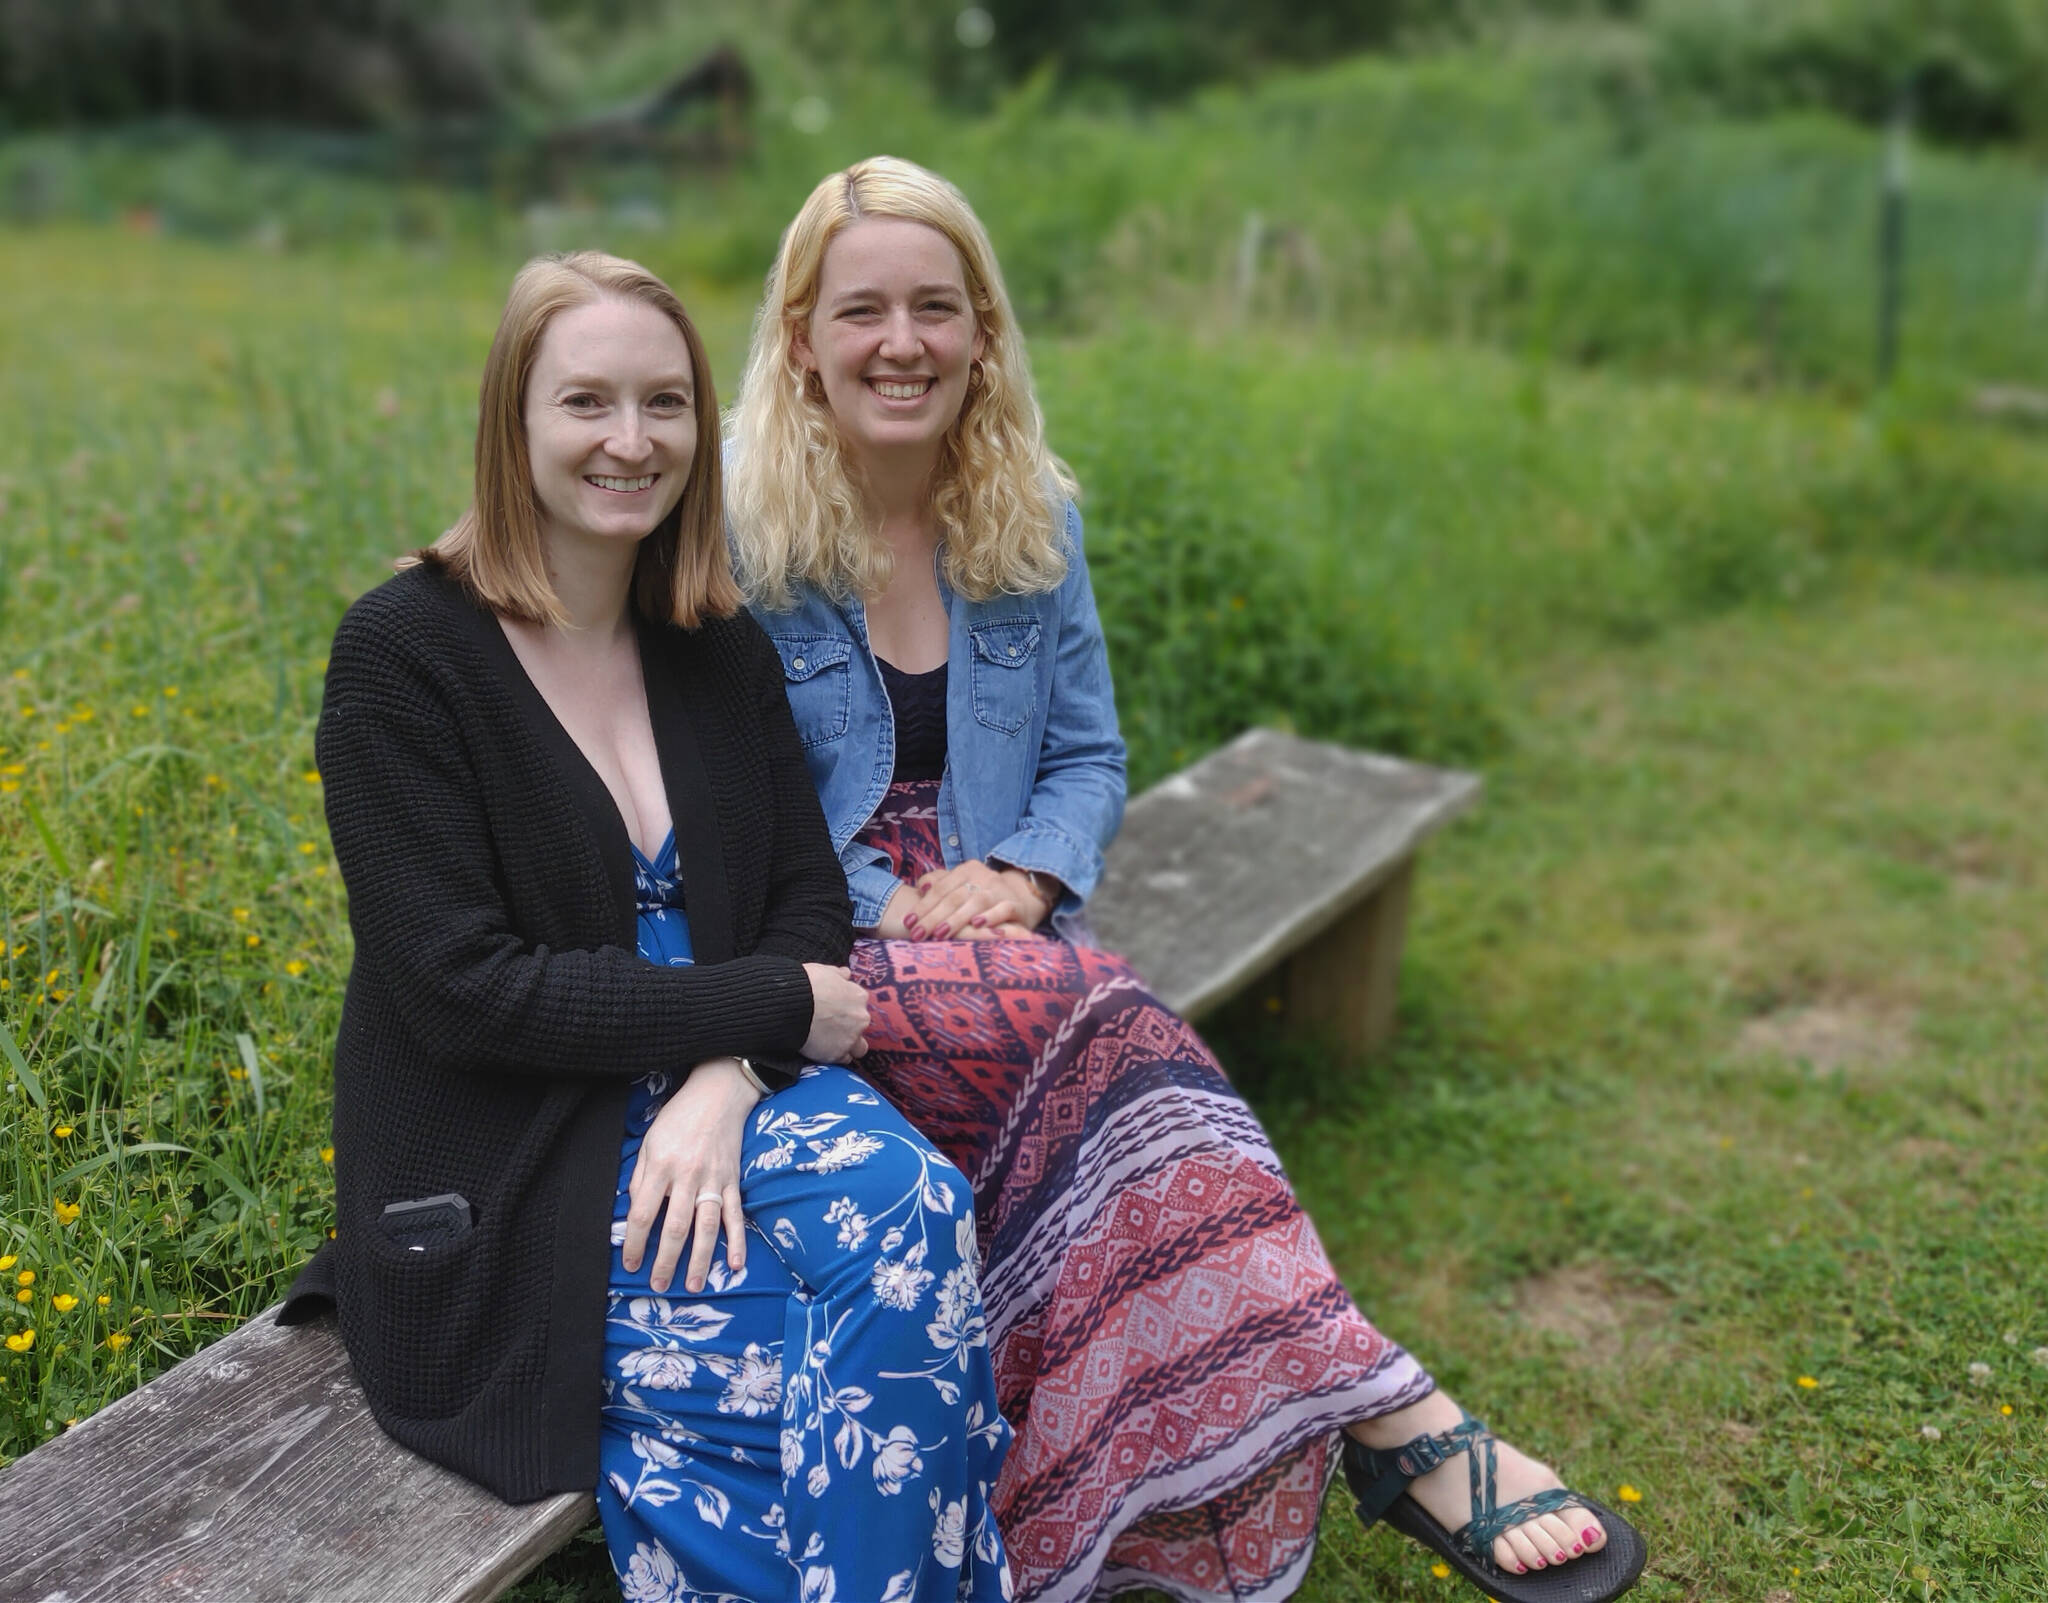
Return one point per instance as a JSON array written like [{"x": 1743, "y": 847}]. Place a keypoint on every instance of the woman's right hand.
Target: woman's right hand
[{"x": 839, "y": 1015}]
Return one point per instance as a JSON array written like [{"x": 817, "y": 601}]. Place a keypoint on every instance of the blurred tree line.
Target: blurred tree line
[{"x": 1978, "y": 68}]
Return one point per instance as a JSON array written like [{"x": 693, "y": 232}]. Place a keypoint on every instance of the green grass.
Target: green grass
[
  {"x": 1548, "y": 199},
  {"x": 1753, "y": 677}
]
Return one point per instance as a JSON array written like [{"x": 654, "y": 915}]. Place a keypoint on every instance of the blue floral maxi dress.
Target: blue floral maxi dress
[{"x": 821, "y": 1423}]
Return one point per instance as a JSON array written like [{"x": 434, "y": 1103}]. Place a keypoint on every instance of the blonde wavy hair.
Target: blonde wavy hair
[
  {"x": 682, "y": 574},
  {"x": 798, "y": 512}
]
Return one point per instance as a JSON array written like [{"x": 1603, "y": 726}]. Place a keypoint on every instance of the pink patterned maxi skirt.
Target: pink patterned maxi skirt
[{"x": 1171, "y": 1345}]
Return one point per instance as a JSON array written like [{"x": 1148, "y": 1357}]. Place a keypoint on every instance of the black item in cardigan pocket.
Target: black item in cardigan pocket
[{"x": 427, "y": 1222}]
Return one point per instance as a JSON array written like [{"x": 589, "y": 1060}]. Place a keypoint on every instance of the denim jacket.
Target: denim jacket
[{"x": 1034, "y": 764}]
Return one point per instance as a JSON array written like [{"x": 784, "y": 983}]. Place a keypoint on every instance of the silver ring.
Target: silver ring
[{"x": 711, "y": 1196}]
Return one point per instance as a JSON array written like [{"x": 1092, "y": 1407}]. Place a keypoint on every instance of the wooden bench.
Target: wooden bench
[{"x": 253, "y": 1472}]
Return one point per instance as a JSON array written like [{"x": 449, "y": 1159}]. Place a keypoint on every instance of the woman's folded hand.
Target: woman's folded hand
[
  {"x": 975, "y": 900},
  {"x": 690, "y": 1158},
  {"x": 839, "y": 1015}
]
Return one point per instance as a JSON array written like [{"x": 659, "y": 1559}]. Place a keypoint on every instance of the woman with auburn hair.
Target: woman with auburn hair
[
  {"x": 597, "y": 1020},
  {"x": 1179, "y": 1362}
]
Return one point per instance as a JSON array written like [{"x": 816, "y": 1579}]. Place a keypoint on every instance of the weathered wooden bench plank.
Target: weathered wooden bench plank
[
  {"x": 253, "y": 1473},
  {"x": 1276, "y": 850}
]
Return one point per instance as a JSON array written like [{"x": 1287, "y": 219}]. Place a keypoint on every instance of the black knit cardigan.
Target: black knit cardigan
[{"x": 498, "y": 1008}]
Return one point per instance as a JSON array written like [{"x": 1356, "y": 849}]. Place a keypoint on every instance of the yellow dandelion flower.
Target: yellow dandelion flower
[
  {"x": 15, "y": 768},
  {"x": 66, "y": 1212},
  {"x": 28, "y": 712},
  {"x": 238, "y": 1074},
  {"x": 62, "y": 1132},
  {"x": 327, "y": 1154},
  {"x": 51, "y": 977},
  {"x": 26, "y": 1278},
  {"x": 21, "y": 1342},
  {"x": 311, "y": 776},
  {"x": 1440, "y": 1570},
  {"x": 118, "y": 1340},
  {"x": 295, "y": 967},
  {"x": 2005, "y": 1409},
  {"x": 83, "y": 715},
  {"x": 307, "y": 848},
  {"x": 171, "y": 692},
  {"x": 8, "y": 1262},
  {"x": 7, "y": 785},
  {"x": 213, "y": 781},
  {"x": 24, "y": 1295},
  {"x": 1806, "y": 1383},
  {"x": 103, "y": 1300},
  {"x": 1627, "y": 1493},
  {"x": 63, "y": 1302},
  {"x": 138, "y": 711},
  {"x": 241, "y": 914},
  {"x": 62, "y": 729},
  {"x": 253, "y": 940},
  {"x": 21, "y": 673}
]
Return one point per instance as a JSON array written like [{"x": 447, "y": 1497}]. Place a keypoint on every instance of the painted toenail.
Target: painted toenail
[
  {"x": 1561, "y": 1558},
  {"x": 1591, "y": 1536}
]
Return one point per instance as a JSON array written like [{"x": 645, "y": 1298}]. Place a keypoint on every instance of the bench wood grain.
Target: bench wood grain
[
  {"x": 1277, "y": 858},
  {"x": 253, "y": 1473}
]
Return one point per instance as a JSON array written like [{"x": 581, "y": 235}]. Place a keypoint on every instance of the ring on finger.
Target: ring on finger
[{"x": 709, "y": 1196}]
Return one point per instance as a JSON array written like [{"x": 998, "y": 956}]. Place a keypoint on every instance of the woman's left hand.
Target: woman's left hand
[
  {"x": 976, "y": 901},
  {"x": 691, "y": 1156}
]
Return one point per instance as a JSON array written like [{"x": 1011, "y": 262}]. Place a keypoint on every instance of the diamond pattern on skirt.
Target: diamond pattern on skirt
[{"x": 1171, "y": 1345}]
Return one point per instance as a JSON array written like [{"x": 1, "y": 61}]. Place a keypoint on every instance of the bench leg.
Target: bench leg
[{"x": 1342, "y": 984}]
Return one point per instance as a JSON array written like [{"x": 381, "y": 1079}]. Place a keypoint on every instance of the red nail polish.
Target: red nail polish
[
  {"x": 1521, "y": 1569},
  {"x": 942, "y": 932},
  {"x": 1560, "y": 1558},
  {"x": 1590, "y": 1536}
]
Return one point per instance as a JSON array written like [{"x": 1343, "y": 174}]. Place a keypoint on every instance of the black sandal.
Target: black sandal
[{"x": 1379, "y": 1480}]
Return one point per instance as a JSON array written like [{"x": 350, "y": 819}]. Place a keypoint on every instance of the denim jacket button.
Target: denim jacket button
[
  {"x": 797, "y": 663},
  {"x": 952, "y": 840},
  {"x": 1013, "y": 651}
]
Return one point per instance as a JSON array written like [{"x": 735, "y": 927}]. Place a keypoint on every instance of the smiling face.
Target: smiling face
[
  {"x": 611, "y": 422},
  {"x": 892, "y": 336}
]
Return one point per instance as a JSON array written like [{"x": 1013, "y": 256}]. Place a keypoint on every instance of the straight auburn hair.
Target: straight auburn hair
[
  {"x": 799, "y": 514},
  {"x": 682, "y": 574}
]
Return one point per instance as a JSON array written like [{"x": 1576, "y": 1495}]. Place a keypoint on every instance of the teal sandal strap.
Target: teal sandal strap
[
  {"x": 1478, "y": 1535},
  {"x": 1379, "y": 1476}
]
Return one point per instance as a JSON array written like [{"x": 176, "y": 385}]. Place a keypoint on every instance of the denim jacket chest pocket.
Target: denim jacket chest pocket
[
  {"x": 1005, "y": 673},
  {"x": 818, "y": 676}
]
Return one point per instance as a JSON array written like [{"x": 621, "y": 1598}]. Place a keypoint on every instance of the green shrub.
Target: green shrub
[{"x": 1979, "y": 68}]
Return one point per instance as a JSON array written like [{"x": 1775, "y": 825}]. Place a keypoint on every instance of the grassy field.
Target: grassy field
[{"x": 1721, "y": 1070}]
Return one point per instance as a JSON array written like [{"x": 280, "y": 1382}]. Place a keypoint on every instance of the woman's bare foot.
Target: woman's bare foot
[{"x": 1446, "y": 1491}]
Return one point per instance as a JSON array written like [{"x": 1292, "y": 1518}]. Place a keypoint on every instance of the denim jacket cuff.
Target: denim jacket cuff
[
  {"x": 871, "y": 887},
  {"x": 1048, "y": 849}
]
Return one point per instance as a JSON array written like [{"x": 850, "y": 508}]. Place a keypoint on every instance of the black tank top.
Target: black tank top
[{"x": 919, "y": 703}]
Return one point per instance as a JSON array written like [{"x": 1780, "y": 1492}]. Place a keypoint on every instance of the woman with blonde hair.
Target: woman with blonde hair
[
  {"x": 594, "y": 1027},
  {"x": 1179, "y": 1362}
]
